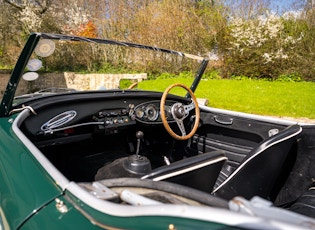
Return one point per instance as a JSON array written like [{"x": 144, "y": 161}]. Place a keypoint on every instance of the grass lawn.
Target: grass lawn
[{"x": 291, "y": 99}]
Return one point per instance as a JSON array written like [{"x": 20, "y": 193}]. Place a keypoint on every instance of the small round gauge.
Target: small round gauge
[
  {"x": 168, "y": 112},
  {"x": 151, "y": 112},
  {"x": 139, "y": 112}
]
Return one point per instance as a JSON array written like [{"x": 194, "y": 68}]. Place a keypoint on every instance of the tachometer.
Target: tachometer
[{"x": 139, "y": 112}]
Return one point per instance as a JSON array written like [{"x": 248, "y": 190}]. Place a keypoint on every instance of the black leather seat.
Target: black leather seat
[
  {"x": 199, "y": 172},
  {"x": 305, "y": 204},
  {"x": 258, "y": 172}
]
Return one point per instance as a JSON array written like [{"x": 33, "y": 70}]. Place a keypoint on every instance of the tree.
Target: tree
[
  {"x": 247, "y": 9},
  {"x": 9, "y": 41},
  {"x": 38, "y": 6},
  {"x": 178, "y": 24},
  {"x": 261, "y": 47}
]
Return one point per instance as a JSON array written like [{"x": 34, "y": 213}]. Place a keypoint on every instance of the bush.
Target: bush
[
  {"x": 266, "y": 47},
  {"x": 214, "y": 74},
  {"x": 165, "y": 76},
  {"x": 289, "y": 78}
]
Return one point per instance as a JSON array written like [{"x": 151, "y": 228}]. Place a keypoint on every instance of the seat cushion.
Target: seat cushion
[
  {"x": 198, "y": 172},
  {"x": 305, "y": 204}
]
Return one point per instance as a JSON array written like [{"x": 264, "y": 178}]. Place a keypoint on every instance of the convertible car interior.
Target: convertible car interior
[
  {"x": 101, "y": 139},
  {"x": 112, "y": 149}
]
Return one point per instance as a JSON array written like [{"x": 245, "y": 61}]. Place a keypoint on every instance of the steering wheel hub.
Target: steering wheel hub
[{"x": 178, "y": 111}]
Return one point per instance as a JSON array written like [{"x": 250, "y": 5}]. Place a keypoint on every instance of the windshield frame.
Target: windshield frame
[{"x": 8, "y": 97}]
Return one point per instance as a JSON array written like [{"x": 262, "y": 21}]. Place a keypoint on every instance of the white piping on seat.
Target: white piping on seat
[
  {"x": 250, "y": 158},
  {"x": 191, "y": 168}
]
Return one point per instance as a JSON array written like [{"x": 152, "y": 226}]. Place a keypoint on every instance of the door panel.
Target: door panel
[{"x": 235, "y": 135}]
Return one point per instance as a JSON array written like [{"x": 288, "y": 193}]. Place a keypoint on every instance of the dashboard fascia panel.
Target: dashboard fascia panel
[{"x": 88, "y": 108}]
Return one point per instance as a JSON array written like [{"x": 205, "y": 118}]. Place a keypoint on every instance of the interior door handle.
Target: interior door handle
[{"x": 223, "y": 120}]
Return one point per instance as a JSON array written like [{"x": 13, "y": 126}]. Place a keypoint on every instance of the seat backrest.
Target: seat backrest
[
  {"x": 199, "y": 172},
  {"x": 257, "y": 174}
]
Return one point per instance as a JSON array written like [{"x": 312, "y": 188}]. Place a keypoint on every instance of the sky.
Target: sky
[{"x": 282, "y": 5}]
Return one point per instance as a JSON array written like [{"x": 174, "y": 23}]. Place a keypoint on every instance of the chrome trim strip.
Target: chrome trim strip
[
  {"x": 252, "y": 116},
  {"x": 59, "y": 178},
  {"x": 204, "y": 213}
]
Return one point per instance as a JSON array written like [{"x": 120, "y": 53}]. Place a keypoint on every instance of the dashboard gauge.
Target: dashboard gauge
[
  {"x": 139, "y": 112},
  {"x": 168, "y": 112},
  {"x": 151, "y": 112}
]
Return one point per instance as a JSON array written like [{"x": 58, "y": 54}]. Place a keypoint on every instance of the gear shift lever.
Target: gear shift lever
[
  {"x": 133, "y": 166},
  {"x": 139, "y": 136}
]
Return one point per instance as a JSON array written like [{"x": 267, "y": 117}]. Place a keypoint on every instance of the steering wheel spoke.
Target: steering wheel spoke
[
  {"x": 189, "y": 107},
  {"x": 181, "y": 127},
  {"x": 180, "y": 112}
]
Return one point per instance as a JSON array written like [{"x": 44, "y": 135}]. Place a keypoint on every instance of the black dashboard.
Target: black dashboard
[{"x": 105, "y": 115}]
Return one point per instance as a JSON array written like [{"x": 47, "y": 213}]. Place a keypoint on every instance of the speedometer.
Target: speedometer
[{"x": 151, "y": 112}]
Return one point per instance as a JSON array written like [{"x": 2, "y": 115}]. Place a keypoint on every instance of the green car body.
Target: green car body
[{"x": 30, "y": 198}]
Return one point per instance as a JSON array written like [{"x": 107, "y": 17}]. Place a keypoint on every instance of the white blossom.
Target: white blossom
[
  {"x": 30, "y": 19},
  {"x": 267, "y": 57},
  {"x": 75, "y": 17},
  {"x": 256, "y": 33}
]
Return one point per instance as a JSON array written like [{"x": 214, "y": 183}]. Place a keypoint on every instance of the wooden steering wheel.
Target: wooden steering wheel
[{"x": 179, "y": 112}]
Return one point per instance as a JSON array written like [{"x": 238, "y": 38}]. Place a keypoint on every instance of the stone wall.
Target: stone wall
[
  {"x": 97, "y": 81},
  {"x": 75, "y": 81},
  {"x": 4, "y": 78},
  {"x": 71, "y": 80}
]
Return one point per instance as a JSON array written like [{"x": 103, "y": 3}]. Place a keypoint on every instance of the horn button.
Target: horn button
[{"x": 178, "y": 111}]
